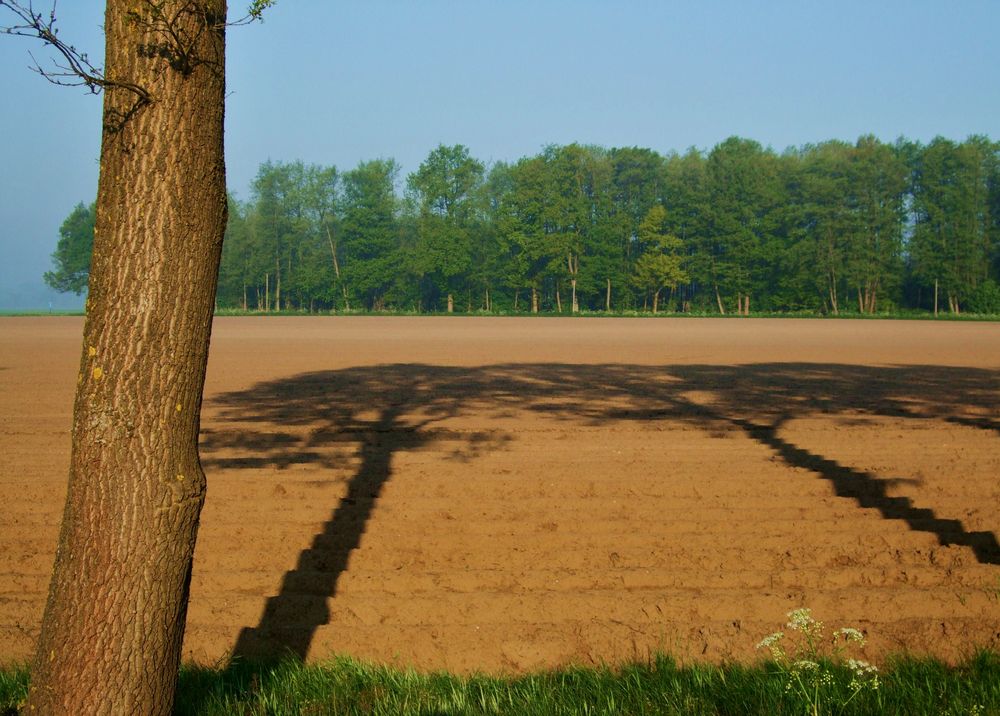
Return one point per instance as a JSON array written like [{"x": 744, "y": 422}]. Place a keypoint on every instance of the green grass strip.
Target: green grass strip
[
  {"x": 344, "y": 686},
  {"x": 900, "y": 314}
]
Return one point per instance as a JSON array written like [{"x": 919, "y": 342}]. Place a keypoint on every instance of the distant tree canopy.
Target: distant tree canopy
[
  {"x": 830, "y": 227},
  {"x": 71, "y": 260}
]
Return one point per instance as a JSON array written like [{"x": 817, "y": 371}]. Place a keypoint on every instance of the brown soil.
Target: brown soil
[{"x": 509, "y": 494}]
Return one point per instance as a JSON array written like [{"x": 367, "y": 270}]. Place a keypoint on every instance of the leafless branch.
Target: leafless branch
[
  {"x": 76, "y": 69},
  {"x": 173, "y": 40}
]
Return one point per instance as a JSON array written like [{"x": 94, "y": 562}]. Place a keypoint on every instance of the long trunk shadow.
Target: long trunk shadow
[
  {"x": 291, "y": 618},
  {"x": 330, "y": 402},
  {"x": 868, "y": 491}
]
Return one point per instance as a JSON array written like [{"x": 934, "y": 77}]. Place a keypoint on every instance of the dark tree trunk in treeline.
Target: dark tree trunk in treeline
[{"x": 113, "y": 625}]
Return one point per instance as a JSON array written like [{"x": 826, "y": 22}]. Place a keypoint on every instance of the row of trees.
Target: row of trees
[{"x": 830, "y": 227}]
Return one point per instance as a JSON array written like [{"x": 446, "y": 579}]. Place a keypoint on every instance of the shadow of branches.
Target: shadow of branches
[{"x": 379, "y": 411}]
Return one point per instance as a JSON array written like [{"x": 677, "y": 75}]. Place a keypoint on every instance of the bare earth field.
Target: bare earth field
[{"x": 509, "y": 494}]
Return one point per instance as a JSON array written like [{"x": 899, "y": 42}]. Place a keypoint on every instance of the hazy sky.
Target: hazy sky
[{"x": 337, "y": 82}]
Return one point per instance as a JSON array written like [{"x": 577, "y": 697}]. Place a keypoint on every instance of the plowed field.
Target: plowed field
[{"x": 508, "y": 494}]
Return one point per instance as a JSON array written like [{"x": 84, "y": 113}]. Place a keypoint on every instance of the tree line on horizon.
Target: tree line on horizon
[{"x": 831, "y": 228}]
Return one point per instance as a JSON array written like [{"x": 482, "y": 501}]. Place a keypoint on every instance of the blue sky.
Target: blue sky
[{"x": 345, "y": 81}]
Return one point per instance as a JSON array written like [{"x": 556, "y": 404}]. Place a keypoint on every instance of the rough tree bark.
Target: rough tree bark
[{"x": 114, "y": 621}]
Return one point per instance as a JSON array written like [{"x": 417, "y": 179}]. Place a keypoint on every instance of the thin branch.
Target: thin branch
[
  {"x": 254, "y": 13},
  {"x": 173, "y": 44},
  {"x": 77, "y": 71}
]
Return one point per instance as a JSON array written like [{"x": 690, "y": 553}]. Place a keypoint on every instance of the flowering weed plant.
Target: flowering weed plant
[{"x": 810, "y": 661}]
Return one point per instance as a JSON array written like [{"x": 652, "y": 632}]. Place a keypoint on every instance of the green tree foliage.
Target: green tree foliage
[
  {"x": 686, "y": 201},
  {"x": 372, "y": 267},
  {"x": 71, "y": 259},
  {"x": 523, "y": 223},
  {"x": 878, "y": 178},
  {"x": 659, "y": 266},
  {"x": 447, "y": 190},
  {"x": 955, "y": 237},
  {"x": 236, "y": 274},
  {"x": 742, "y": 189},
  {"x": 818, "y": 222},
  {"x": 834, "y": 227},
  {"x": 844, "y": 223}
]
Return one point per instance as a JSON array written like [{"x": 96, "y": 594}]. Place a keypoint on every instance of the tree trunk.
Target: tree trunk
[
  {"x": 534, "y": 300},
  {"x": 114, "y": 621},
  {"x": 871, "y": 290},
  {"x": 573, "y": 267},
  {"x": 451, "y": 304},
  {"x": 656, "y": 301},
  {"x": 267, "y": 293},
  {"x": 277, "y": 284},
  {"x": 935, "y": 298},
  {"x": 607, "y": 298},
  {"x": 833, "y": 294},
  {"x": 333, "y": 253},
  {"x": 718, "y": 300},
  {"x": 558, "y": 298},
  {"x": 336, "y": 266},
  {"x": 516, "y": 294}
]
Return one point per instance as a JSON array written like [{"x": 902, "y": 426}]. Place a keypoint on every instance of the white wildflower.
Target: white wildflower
[
  {"x": 850, "y": 634},
  {"x": 865, "y": 675},
  {"x": 802, "y": 620},
  {"x": 770, "y": 640},
  {"x": 861, "y": 668}
]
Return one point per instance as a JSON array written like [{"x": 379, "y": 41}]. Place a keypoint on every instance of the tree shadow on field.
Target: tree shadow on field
[{"x": 377, "y": 412}]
